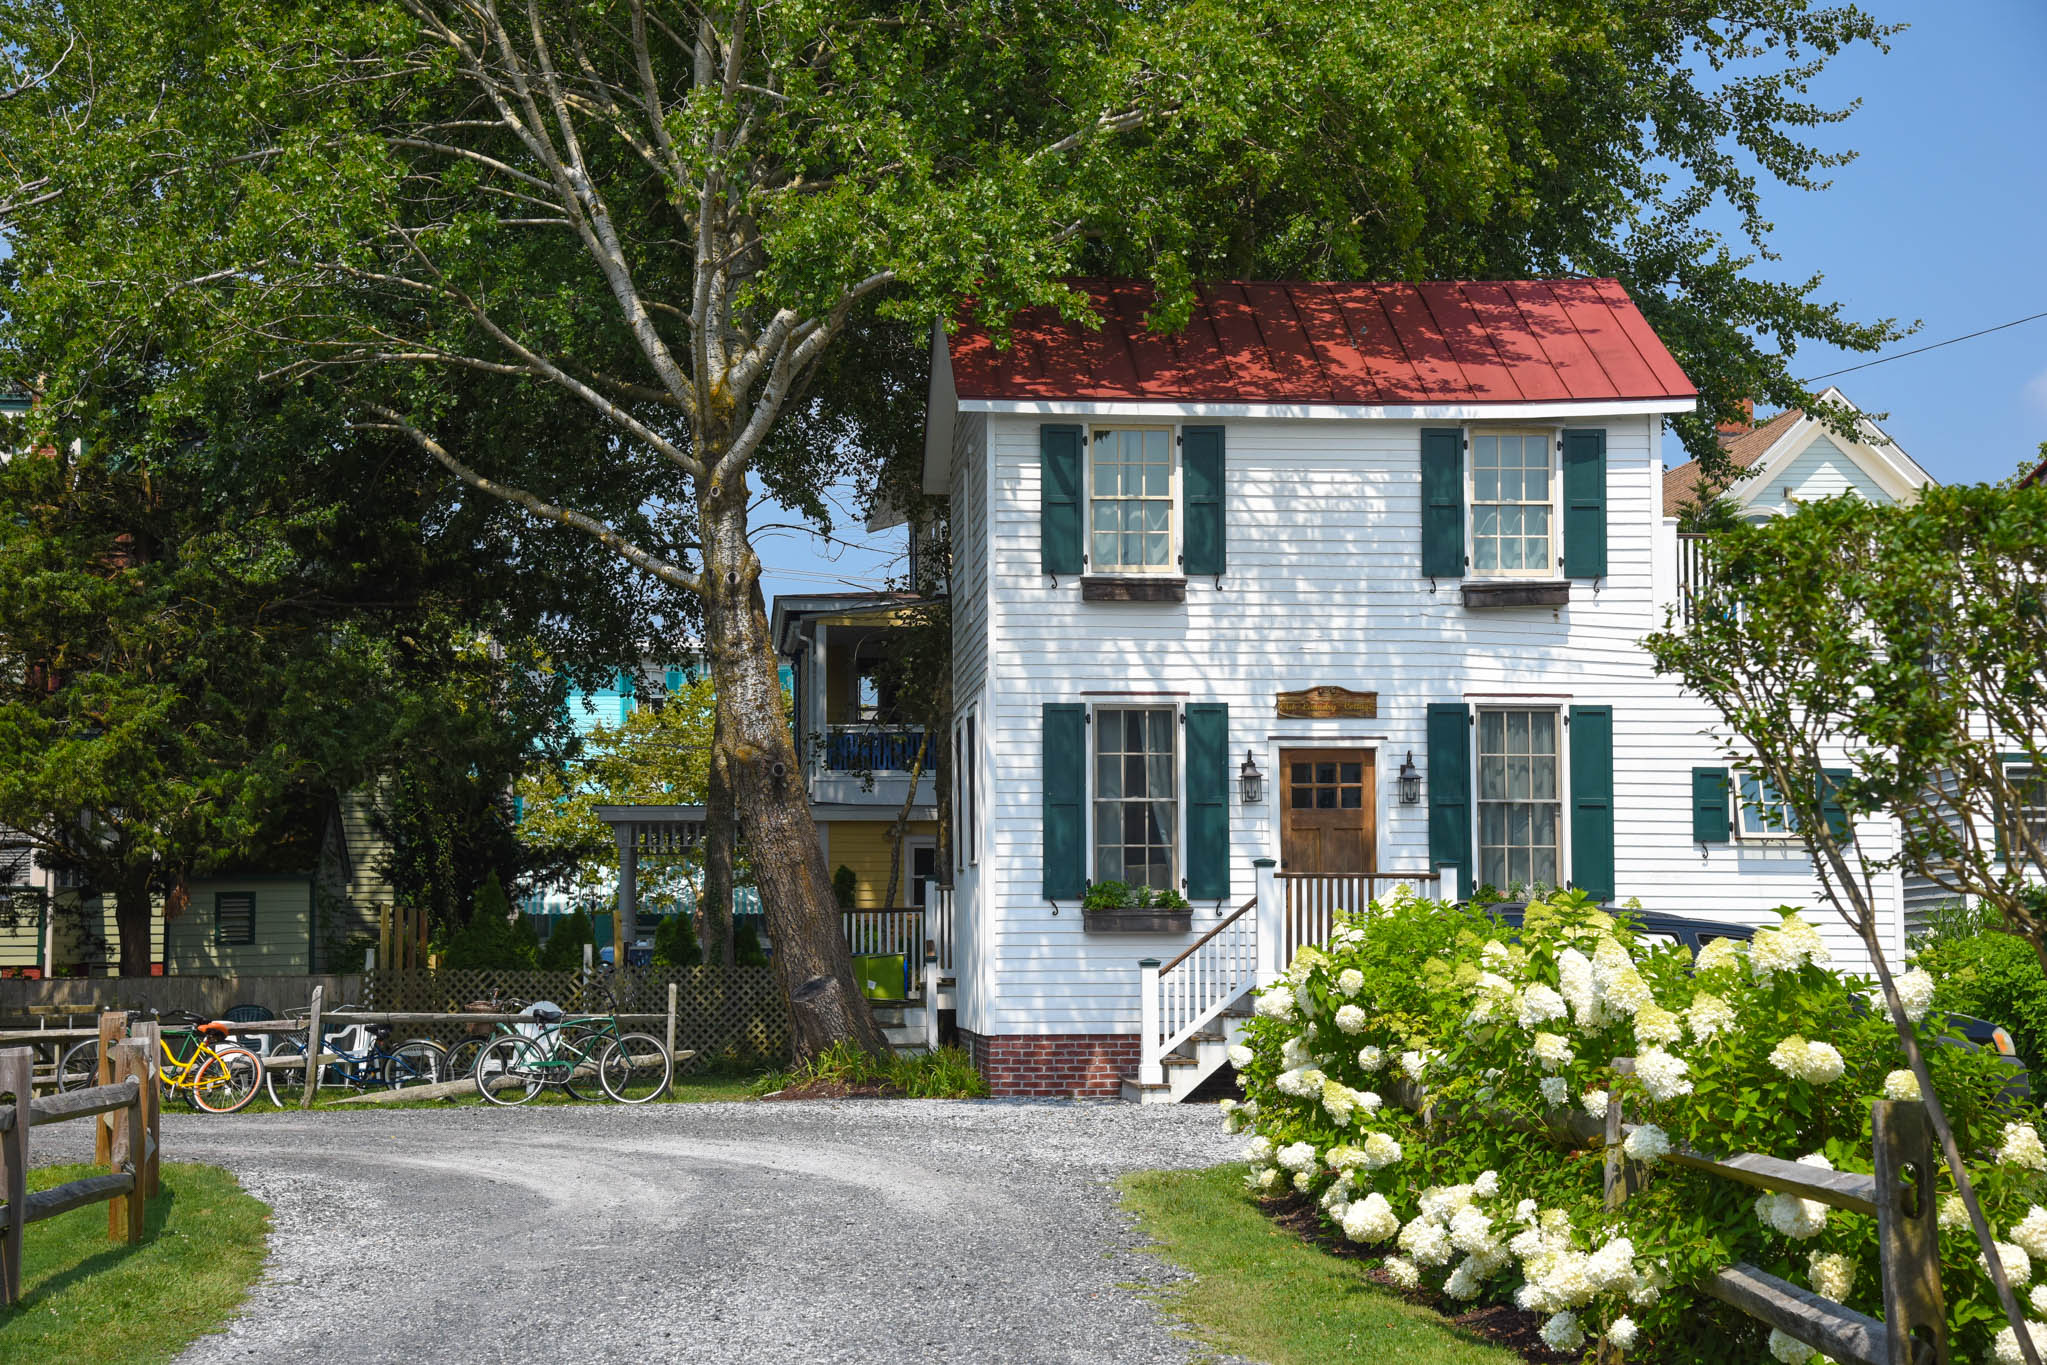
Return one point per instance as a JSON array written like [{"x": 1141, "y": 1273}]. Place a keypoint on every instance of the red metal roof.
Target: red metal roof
[{"x": 1513, "y": 341}]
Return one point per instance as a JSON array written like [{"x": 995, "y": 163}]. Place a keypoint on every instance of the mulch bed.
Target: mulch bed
[
  {"x": 836, "y": 1090},
  {"x": 1501, "y": 1324}
]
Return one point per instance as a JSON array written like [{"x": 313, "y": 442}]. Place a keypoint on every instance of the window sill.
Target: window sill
[
  {"x": 1136, "y": 588},
  {"x": 1539, "y": 593}
]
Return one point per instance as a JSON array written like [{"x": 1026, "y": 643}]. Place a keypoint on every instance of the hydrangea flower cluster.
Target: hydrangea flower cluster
[{"x": 1342, "y": 1048}]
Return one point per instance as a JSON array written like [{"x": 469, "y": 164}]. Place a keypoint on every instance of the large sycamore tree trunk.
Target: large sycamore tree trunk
[{"x": 769, "y": 797}]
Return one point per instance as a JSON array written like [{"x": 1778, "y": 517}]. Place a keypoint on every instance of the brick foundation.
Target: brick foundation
[{"x": 1053, "y": 1065}]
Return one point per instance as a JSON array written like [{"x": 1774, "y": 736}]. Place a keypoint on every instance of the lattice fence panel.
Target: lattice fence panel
[{"x": 718, "y": 1010}]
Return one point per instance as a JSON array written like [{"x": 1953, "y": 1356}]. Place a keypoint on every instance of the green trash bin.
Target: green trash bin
[{"x": 880, "y": 975}]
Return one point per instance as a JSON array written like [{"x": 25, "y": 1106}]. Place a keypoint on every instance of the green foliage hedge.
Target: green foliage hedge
[
  {"x": 1502, "y": 1032},
  {"x": 1994, "y": 976}
]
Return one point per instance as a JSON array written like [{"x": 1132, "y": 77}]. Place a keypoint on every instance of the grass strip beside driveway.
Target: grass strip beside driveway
[
  {"x": 88, "y": 1301},
  {"x": 1259, "y": 1291}
]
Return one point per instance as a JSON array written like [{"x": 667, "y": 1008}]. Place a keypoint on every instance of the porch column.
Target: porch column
[
  {"x": 814, "y": 705},
  {"x": 1150, "y": 1066},
  {"x": 625, "y": 923},
  {"x": 1271, "y": 922}
]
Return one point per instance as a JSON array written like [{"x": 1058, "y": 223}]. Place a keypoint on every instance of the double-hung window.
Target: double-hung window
[
  {"x": 1136, "y": 796},
  {"x": 1764, "y": 813},
  {"x": 1513, "y": 505},
  {"x": 2029, "y": 787},
  {"x": 1130, "y": 501},
  {"x": 1519, "y": 811}
]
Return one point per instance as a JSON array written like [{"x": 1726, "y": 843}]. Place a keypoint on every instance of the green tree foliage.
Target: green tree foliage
[
  {"x": 659, "y": 754},
  {"x": 1887, "y": 659},
  {"x": 747, "y": 948},
  {"x": 493, "y": 937},
  {"x": 707, "y": 237},
  {"x": 563, "y": 951},
  {"x": 675, "y": 942}
]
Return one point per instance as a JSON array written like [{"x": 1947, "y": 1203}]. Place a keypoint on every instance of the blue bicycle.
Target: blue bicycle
[{"x": 373, "y": 1064}]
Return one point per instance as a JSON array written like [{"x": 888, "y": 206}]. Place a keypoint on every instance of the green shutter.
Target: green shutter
[
  {"x": 1711, "y": 823},
  {"x": 1443, "y": 502},
  {"x": 1059, "y": 483},
  {"x": 1208, "y": 801},
  {"x": 1201, "y": 466},
  {"x": 1065, "y": 789},
  {"x": 1584, "y": 503},
  {"x": 1450, "y": 790},
  {"x": 1838, "y": 823},
  {"x": 1592, "y": 801}
]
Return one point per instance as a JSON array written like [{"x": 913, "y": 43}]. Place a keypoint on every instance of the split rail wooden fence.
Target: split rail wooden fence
[{"x": 124, "y": 1107}]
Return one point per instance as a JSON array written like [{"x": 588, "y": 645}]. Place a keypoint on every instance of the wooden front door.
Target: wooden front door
[{"x": 1327, "y": 812}]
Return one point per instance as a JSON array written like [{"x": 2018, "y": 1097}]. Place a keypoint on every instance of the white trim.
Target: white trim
[
  {"x": 1552, "y": 568},
  {"x": 1175, "y": 552},
  {"x": 1408, "y": 412}
]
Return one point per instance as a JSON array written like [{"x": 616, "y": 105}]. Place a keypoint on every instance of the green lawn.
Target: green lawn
[
  {"x": 1261, "y": 1292},
  {"x": 88, "y": 1301}
]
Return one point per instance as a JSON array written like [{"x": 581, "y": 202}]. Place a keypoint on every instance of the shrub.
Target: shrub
[
  {"x": 1992, "y": 975},
  {"x": 1753, "y": 1048},
  {"x": 563, "y": 951},
  {"x": 494, "y": 936},
  {"x": 947, "y": 1074},
  {"x": 845, "y": 887},
  {"x": 746, "y": 942},
  {"x": 675, "y": 942}
]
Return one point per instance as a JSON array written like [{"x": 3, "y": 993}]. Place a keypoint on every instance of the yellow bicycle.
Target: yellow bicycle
[{"x": 199, "y": 1064}]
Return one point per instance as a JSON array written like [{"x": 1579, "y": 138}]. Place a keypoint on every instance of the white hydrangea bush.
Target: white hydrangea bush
[{"x": 1507, "y": 1039}]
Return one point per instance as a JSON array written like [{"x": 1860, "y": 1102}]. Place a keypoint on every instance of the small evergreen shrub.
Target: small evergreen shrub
[
  {"x": 845, "y": 887},
  {"x": 563, "y": 951},
  {"x": 675, "y": 942},
  {"x": 746, "y": 942},
  {"x": 494, "y": 938}
]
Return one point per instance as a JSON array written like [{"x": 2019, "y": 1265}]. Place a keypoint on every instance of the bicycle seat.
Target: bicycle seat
[
  {"x": 215, "y": 1029},
  {"x": 546, "y": 1016}
]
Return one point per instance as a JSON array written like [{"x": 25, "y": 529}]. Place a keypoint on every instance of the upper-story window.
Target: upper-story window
[
  {"x": 1513, "y": 504},
  {"x": 2029, "y": 785},
  {"x": 1130, "y": 501},
  {"x": 1137, "y": 808},
  {"x": 1765, "y": 814}
]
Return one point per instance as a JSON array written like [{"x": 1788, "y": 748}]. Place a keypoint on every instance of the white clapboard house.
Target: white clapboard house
[{"x": 1339, "y": 587}]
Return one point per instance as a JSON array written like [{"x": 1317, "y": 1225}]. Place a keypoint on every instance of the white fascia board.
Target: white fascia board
[{"x": 1412, "y": 412}]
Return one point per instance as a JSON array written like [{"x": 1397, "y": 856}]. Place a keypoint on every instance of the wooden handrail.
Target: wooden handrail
[{"x": 1196, "y": 946}]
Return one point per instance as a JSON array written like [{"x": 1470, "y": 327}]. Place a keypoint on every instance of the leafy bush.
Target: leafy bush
[
  {"x": 1992, "y": 975},
  {"x": 675, "y": 942},
  {"x": 494, "y": 936},
  {"x": 746, "y": 942},
  {"x": 947, "y": 1074},
  {"x": 563, "y": 951},
  {"x": 1123, "y": 896},
  {"x": 1504, "y": 1033},
  {"x": 845, "y": 887}
]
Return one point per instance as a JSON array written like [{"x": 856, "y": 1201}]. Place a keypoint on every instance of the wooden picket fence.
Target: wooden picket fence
[
  {"x": 719, "y": 1010},
  {"x": 124, "y": 1109}
]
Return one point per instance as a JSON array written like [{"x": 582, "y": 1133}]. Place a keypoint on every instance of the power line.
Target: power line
[{"x": 1921, "y": 350}]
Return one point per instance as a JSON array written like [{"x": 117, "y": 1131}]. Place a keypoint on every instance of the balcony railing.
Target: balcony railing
[
  {"x": 1692, "y": 574},
  {"x": 873, "y": 749}
]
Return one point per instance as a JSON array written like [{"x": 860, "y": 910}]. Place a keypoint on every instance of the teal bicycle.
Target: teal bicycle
[{"x": 581, "y": 1057}]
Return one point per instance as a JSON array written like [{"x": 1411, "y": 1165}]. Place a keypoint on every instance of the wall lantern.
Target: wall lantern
[
  {"x": 1410, "y": 782},
  {"x": 1251, "y": 781}
]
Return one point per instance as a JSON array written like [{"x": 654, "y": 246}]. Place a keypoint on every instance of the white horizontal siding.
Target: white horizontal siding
[
  {"x": 1822, "y": 470},
  {"x": 1325, "y": 587}
]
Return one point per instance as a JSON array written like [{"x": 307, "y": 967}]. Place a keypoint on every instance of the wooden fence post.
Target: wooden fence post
[
  {"x": 670, "y": 1039},
  {"x": 1623, "y": 1177},
  {"x": 150, "y": 1035},
  {"x": 1908, "y": 1233},
  {"x": 315, "y": 1048},
  {"x": 124, "y": 1211},
  {"x": 113, "y": 1028},
  {"x": 384, "y": 937},
  {"x": 17, "y": 1076}
]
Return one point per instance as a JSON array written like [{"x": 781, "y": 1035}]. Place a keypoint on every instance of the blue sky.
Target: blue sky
[{"x": 1942, "y": 220}]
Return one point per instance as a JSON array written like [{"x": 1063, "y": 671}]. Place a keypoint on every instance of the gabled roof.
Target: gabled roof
[
  {"x": 1774, "y": 442},
  {"x": 1458, "y": 342}
]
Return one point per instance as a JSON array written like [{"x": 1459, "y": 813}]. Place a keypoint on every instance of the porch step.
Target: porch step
[{"x": 1188, "y": 1065}]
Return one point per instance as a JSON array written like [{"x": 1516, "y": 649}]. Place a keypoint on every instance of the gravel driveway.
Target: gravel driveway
[{"x": 900, "y": 1231}]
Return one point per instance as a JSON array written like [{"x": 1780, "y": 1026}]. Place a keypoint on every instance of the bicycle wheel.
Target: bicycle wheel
[
  {"x": 227, "y": 1080},
  {"x": 635, "y": 1069},
  {"x": 79, "y": 1067},
  {"x": 460, "y": 1062},
  {"x": 413, "y": 1063},
  {"x": 285, "y": 1079},
  {"x": 580, "y": 1049},
  {"x": 510, "y": 1071}
]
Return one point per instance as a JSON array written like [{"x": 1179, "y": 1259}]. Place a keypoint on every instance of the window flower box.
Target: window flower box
[{"x": 1115, "y": 908}]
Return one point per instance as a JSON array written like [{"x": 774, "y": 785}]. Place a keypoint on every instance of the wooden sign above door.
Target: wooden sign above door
[{"x": 1324, "y": 703}]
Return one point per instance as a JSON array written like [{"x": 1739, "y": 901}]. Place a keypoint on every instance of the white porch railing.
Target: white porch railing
[
  {"x": 1250, "y": 948},
  {"x": 1691, "y": 572}
]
